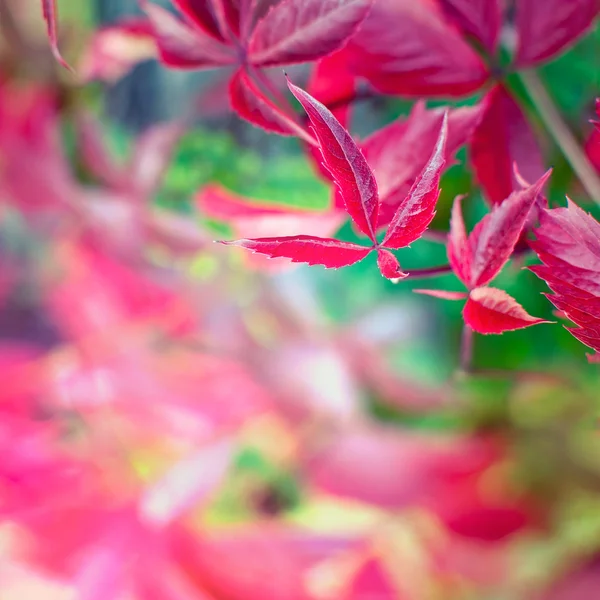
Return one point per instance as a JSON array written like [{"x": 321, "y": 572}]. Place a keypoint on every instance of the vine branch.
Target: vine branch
[{"x": 561, "y": 134}]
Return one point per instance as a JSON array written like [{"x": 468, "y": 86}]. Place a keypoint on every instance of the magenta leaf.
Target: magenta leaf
[
  {"x": 480, "y": 18},
  {"x": 496, "y": 235},
  {"x": 330, "y": 253},
  {"x": 332, "y": 82},
  {"x": 346, "y": 163},
  {"x": 248, "y": 100},
  {"x": 547, "y": 27},
  {"x": 303, "y": 30},
  {"x": 200, "y": 14},
  {"x": 568, "y": 243},
  {"x": 50, "y": 16},
  {"x": 493, "y": 311},
  {"x": 417, "y": 210},
  {"x": 358, "y": 189},
  {"x": 408, "y": 47},
  {"x": 115, "y": 49},
  {"x": 398, "y": 152},
  {"x": 503, "y": 138},
  {"x": 459, "y": 251},
  {"x": 184, "y": 46},
  {"x": 388, "y": 265},
  {"x": 443, "y": 294}
]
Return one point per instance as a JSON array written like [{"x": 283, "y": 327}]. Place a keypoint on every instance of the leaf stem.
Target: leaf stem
[
  {"x": 276, "y": 96},
  {"x": 466, "y": 349},
  {"x": 562, "y": 135},
  {"x": 428, "y": 272}
]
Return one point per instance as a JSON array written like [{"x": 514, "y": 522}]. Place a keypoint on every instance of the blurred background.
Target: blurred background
[{"x": 182, "y": 421}]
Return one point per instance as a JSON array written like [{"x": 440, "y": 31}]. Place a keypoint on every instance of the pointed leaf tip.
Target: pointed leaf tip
[
  {"x": 416, "y": 212},
  {"x": 346, "y": 163},
  {"x": 493, "y": 311}
]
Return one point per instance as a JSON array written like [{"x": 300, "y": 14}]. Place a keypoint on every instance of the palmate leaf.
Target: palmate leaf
[
  {"x": 398, "y": 152},
  {"x": 476, "y": 259},
  {"x": 249, "y": 35},
  {"x": 568, "y": 244},
  {"x": 358, "y": 190},
  {"x": 296, "y": 31}
]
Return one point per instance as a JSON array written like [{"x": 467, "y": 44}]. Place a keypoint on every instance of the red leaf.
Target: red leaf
[
  {"x": 346, "y": 163},
  {"x": 332, "y": 82},
  {"x": 50, "y": 16},
  {"x": 547, "y": 27},
  {"x": 407, "y": 47},
  {"x": 459, "y": 250},
  {"x": 495, "y": 236},
  {"x": 388, "y": 265},
  {"x": 568, "y": 243},
  {"x": 330, "y": 253},
  {"x": 116, "y": 49},
  {"x": 502, "y": 139},
  {"x": 398, "y": 152},
  {"x": 248, "y": 100},
  {"x": 227, "y": 14},
  {"x": 250, "y": 218},
  {"x": 184, "y": 46},
  {"x": 480, "y": 18},
  {"x": 489, "y": 310},
  {"x": 303, "y": 30},
  {"x": 199, "y": 12},
  {"x": 417, "y": 210}
]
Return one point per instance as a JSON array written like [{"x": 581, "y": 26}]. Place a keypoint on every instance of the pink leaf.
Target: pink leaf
[
  {"x": 200, "y": 14},
  {"x": 50, "y": 15},
  {"x": 183, "y": 46},
  {"x": 479, "y": 18},
  {"x": 388, "y": 265},
  {"x": 443, "y": 294},
  {"x": 489, "y": 310},
  {"x": 330, "y": 253},
  {"x": 417, "y": 210},
  {"x": 546, "y": 28},
  {"x": 189, "y": 482},
  {"x": 151, "y": 156},
  {"x": 503, "y": 138},
  {"x": 94, "y": 153},
  {"x": 568, "y": 243},
  {"x": 227, "y": 14},
  {"x": 495, "y": 236},
  {"x": 248, "y": 100},
  {"x": 303, "y": 30},
  {"x": 459, "y": 251},
  {"x": 332, "y": 82},
  {"x": 114, "y": 50},
  {"x": 407, "y": 47},
  {"x": 345, "y": 161}
]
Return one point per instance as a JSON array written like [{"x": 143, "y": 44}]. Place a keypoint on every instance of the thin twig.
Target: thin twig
[
  {"x": 562, "y": 135},
  {"x": 428, "y": 272}
]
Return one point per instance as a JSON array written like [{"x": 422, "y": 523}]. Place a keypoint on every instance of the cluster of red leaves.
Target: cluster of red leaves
[
  {"x": 143, "y": 361},
  {"x": 125, "y": 423}
]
